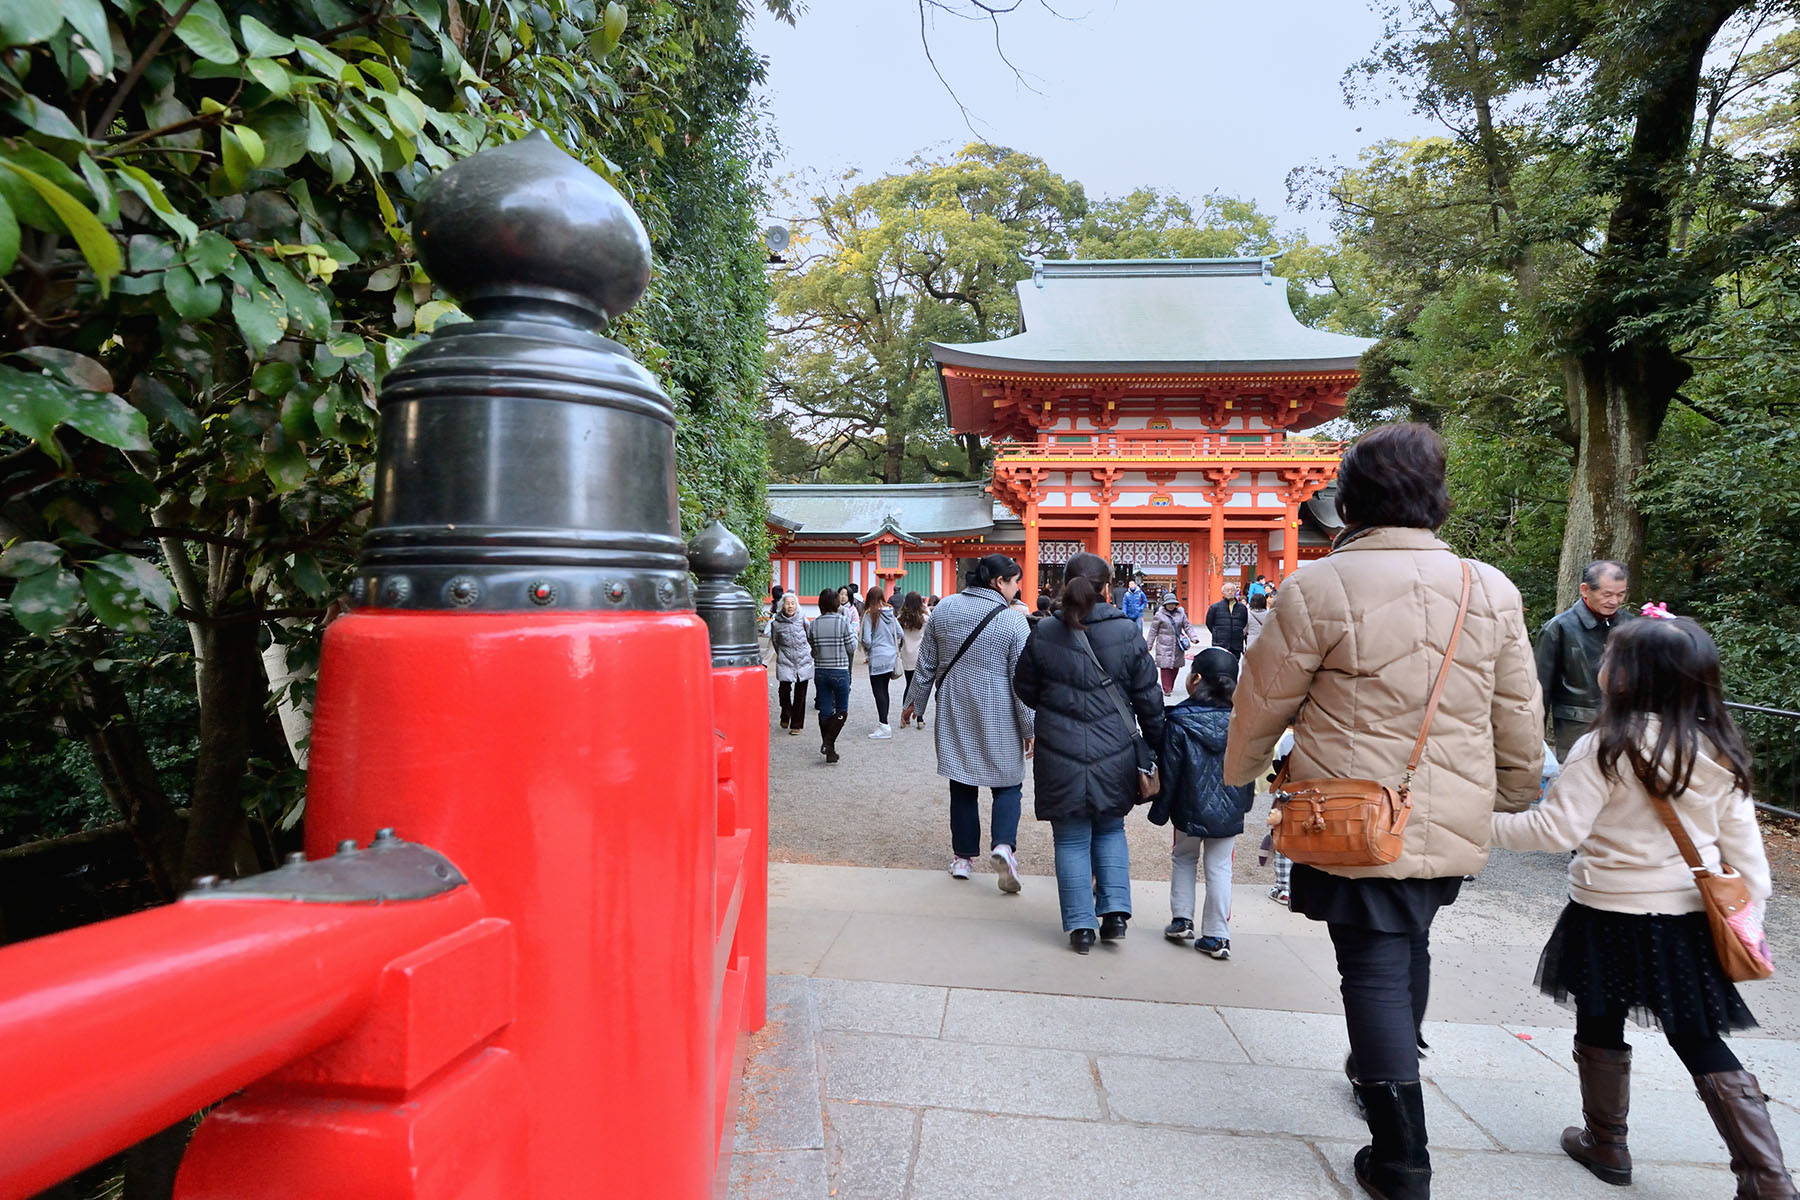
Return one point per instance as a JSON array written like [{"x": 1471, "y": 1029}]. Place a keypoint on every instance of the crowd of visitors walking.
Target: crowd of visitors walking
[{"x": 1391, "y": 682}]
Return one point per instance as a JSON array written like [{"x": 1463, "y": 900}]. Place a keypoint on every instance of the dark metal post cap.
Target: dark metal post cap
[
  {"x": 525, "y": 230},
  {"x": 717, "y": 557},
  {"x": 717, "y": 553}
]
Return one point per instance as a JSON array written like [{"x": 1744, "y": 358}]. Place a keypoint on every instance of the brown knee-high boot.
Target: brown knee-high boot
[
  {"x": 1605, "y": 1101},
  {"x": 1736, "y": 1103}
]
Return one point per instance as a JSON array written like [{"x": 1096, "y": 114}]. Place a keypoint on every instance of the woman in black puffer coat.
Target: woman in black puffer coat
[{"x": 1085, "y": 770}]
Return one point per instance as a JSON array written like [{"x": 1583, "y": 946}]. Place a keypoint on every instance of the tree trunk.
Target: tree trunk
[
  {"x": 232, "y": 695},
  {"x": 893, "y": 461},
  {"x": 1617, "y": 401},
  {"x": 295, "y": 717},
  {"x": 101, "y": 716}
]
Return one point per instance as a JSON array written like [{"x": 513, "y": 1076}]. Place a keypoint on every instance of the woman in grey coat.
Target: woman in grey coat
[
  {"x": 793, "y": 663},
  {"x": 983, "y": 731},
  {"x": 880, "y": 635}
]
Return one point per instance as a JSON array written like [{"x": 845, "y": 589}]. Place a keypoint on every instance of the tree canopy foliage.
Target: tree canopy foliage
[
  {"x": 206, "y": 265},
  {"x": 883, "y": 268},
  {"x": 1606, "y": 177},
  {"x": 1588, "y": 284}
]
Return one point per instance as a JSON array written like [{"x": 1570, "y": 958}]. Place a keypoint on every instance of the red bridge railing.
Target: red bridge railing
[{"x": 548, "y": 1001}]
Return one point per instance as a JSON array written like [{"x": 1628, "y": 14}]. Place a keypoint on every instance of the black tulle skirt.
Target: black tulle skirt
[{"x": 1661, "y": 969}]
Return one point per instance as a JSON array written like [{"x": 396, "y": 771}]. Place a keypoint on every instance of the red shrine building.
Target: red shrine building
[{"x": 1151, "y": 411}]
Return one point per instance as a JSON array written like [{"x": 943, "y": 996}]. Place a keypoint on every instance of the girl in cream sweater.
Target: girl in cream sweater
[{"x": 1634, "y": 940}]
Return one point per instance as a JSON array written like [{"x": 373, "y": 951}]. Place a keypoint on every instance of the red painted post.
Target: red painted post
[
  {"x": 113, "y": 1031},
  {"x": 741, "y": 697},
  {"x": 741, "y": 709},
  {"x": 523, "y": 681},
  {"x": 566, "y": 762}
]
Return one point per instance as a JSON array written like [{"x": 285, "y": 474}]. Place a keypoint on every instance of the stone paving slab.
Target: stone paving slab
[
  {"x": 1287, "y": 1039},
  {"x": 800, "y": 937},
  {"x": 903, "y": 1008},
  {"x": 930, "y": 1072},
  {"x": 957, "y": 1046},
  {"x": 781, "y": 1105},
  {"x": 779, "y": 1175},
  {"x": 1090, "y": 1024},
  {"x": 870, "y": 1149},
  {"x": 1256, "y": 1099},
  {"x": 1008, "y": 956},
  {"x": 1666, "y": 1125},
  {"x": 978, "y": 1154},
  {"x": 1474, "y": 1175}
]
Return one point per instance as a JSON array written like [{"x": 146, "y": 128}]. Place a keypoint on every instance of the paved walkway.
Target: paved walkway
[{"x": 930, "y": 1038}]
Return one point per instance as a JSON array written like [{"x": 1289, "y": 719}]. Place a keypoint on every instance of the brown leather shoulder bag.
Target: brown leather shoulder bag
[
  {"x": 1356, "y": 822},
  {"x": 1735, "y": 920}
]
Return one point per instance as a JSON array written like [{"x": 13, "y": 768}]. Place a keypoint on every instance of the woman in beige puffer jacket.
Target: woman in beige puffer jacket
[{"x": 1348, "y": 657}]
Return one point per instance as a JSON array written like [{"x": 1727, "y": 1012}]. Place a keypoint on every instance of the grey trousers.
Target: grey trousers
[{"x": 1189, "y": 853}]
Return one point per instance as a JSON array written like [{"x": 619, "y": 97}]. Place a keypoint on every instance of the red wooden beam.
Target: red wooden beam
[{"x": 111, "y": 1032}]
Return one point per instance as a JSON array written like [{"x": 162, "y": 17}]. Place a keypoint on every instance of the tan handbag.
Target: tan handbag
[
  {"x": 1737, "y": 930},
  {"x": 1355, "y": 822}
]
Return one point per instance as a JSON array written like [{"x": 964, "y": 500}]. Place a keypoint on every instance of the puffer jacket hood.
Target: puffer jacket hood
[
  {"x": 1194, "y": 795},
  {"x": 1348, "y": 657},
  {"x": 1207, "y": 726}
]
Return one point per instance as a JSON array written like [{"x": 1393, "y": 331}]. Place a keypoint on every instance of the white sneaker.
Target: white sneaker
[
  {"x": 881, "y": 732},
  {"x": 959, "y": 868},
  {"x": 1007, "y": 868}
]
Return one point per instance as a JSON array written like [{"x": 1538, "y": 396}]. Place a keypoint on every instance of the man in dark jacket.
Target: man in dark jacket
[
  {"x": 1227, "y": 619},
  {"x": 1569, "y": 648},
  {"x": 1087, "y": 762}
]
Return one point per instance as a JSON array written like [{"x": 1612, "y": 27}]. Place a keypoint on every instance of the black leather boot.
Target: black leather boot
[{"x": 1395, "y": 1165}]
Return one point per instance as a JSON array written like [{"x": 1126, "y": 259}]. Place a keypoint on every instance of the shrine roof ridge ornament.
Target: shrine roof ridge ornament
[
  {"x": 1156, "y": 316},
  {"x": 1263, "y": 267}
]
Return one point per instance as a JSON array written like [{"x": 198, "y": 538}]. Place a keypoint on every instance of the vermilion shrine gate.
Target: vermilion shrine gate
[{"x": 1147, "y": 413}]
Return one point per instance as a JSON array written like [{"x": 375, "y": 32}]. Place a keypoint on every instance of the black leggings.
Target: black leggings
[
  {"x": 1385, "y": 979},
  {"x": 1605, "y": 1030},
  {"x": 878, "y": 684},
  {"x": 793, "y": 703}
]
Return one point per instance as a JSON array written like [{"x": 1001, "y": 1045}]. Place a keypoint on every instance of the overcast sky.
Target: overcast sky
[{"x": 1189, "y": 96}]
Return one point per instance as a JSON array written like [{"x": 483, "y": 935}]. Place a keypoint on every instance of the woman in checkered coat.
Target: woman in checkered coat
[{"x": 983, "y": 733}]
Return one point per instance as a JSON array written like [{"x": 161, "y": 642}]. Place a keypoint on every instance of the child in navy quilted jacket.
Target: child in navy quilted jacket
[{"x": 1207, "y": 816}]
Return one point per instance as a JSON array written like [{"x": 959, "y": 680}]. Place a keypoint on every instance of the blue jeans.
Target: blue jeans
[
  {"x": 1093, "y": 869},
  {"x": 834, "y": 691},
  {"x": 965, "y": 818}
]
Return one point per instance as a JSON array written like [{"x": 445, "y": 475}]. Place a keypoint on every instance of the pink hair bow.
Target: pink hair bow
[{"x": 1658, "y": 612}]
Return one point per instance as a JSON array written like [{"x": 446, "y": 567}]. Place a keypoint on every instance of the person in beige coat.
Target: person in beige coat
[
  {"x": 1634, "y": 939},
  {"x": 1348, "y": 657}
]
